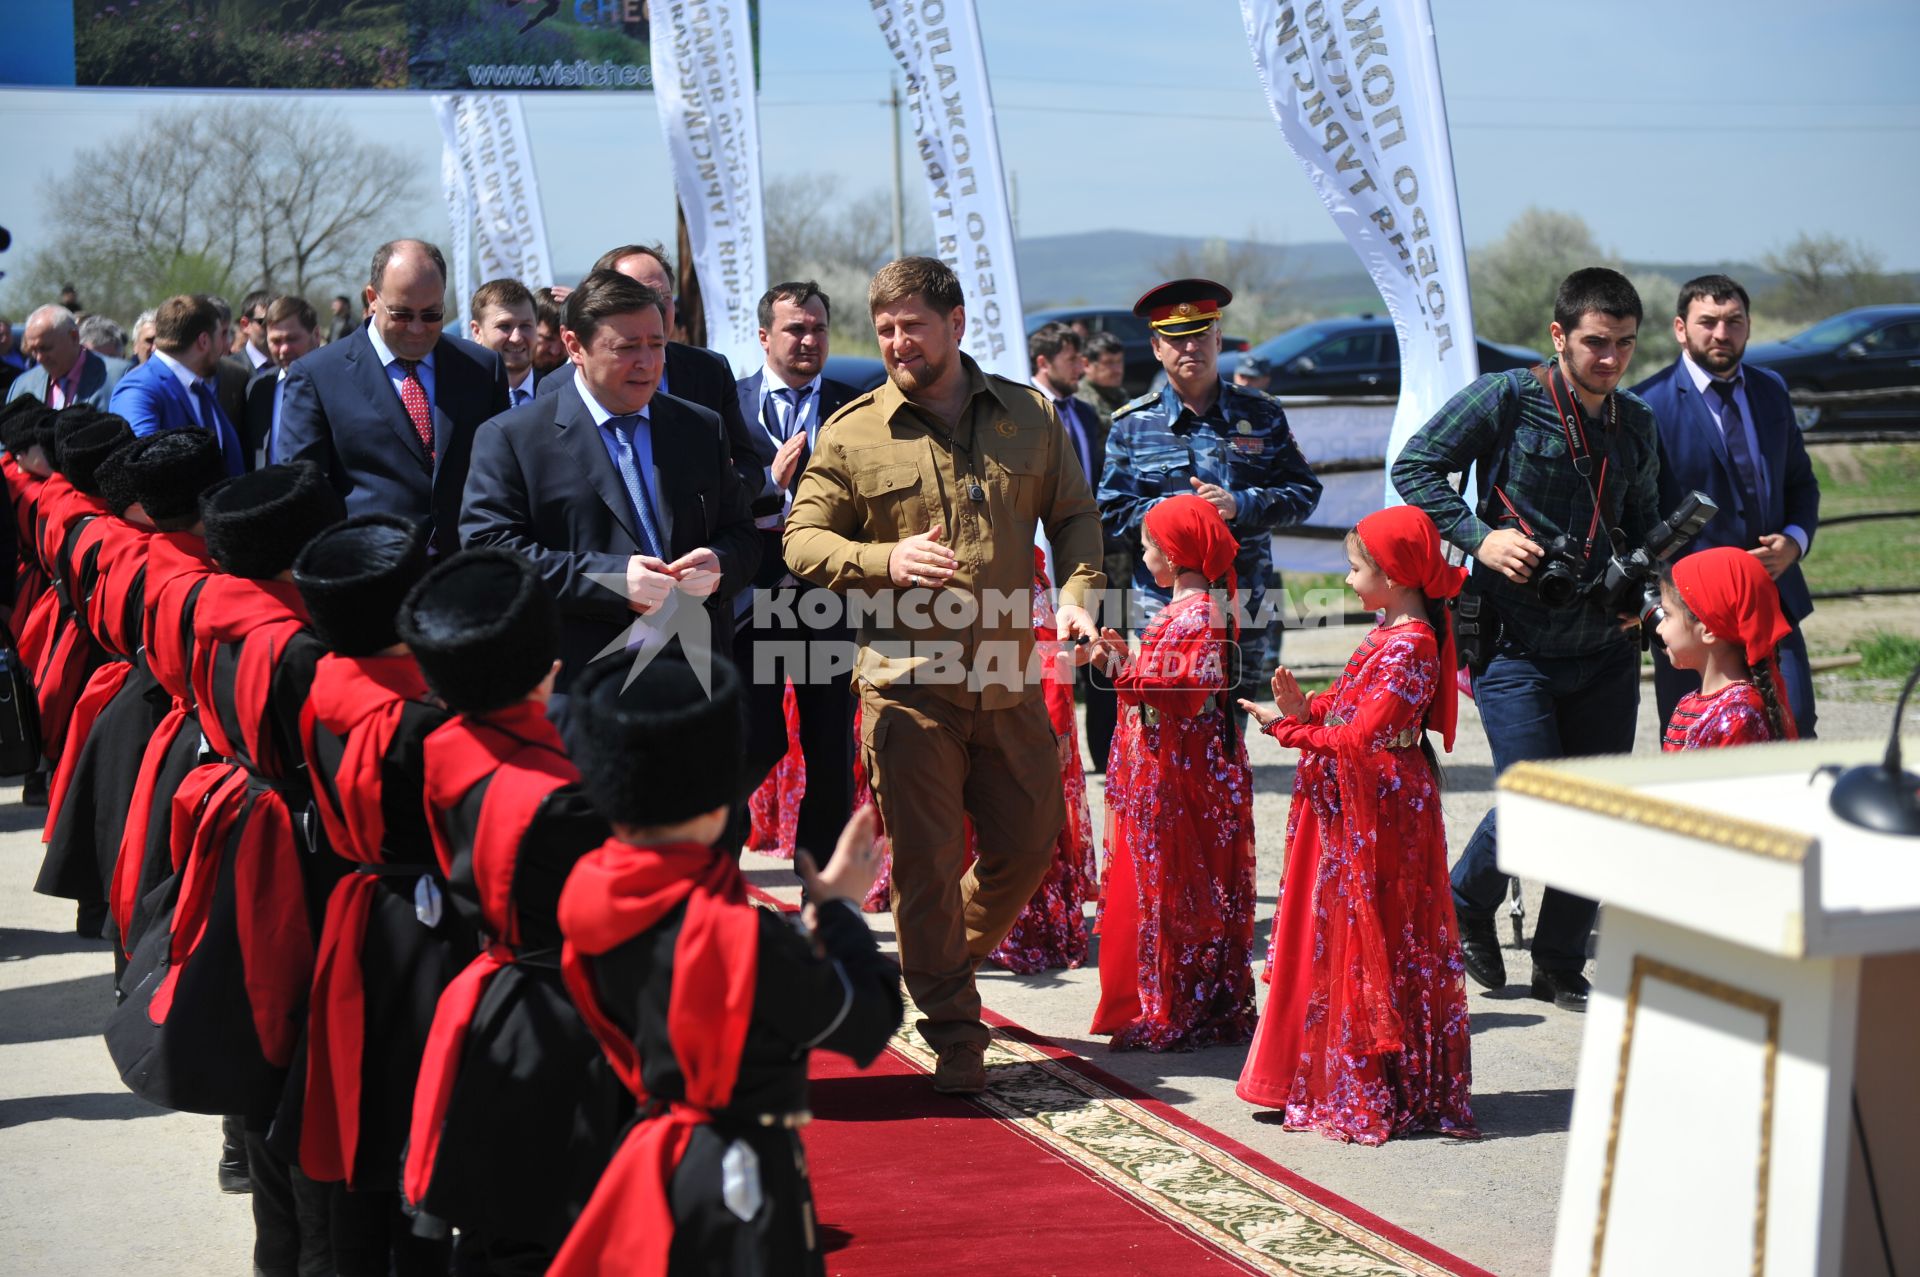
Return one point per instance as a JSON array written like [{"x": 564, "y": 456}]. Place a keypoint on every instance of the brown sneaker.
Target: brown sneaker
[{"x": 962, "y": 1070}]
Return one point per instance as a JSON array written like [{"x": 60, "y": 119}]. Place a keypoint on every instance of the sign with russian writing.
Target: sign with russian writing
[
  {"x": 1355, "y": 87},
  {"x": 493, "y": 201}
]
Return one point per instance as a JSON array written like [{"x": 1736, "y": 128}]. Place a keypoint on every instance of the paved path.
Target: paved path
[{"x": 94, "y": 1180}]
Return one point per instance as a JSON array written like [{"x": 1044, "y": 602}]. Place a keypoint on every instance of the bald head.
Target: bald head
[
  {"x": 407, "y": 294},
  {"x": 52, "y": 340}
]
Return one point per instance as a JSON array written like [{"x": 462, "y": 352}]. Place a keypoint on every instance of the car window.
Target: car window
[
  {"x": 1349, "y": 350},
  {"x": 1894, "y": 339},
  {"x": 1278, "y": 350},
  {"x": 1830, "y": 334},
  {"x": 1128, "y": 328}
]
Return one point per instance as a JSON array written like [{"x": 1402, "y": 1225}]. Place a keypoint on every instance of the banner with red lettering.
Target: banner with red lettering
[{"x": 1355, "y": 87}]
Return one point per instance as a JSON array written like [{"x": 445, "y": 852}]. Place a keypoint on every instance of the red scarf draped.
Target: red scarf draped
[
  {"x": 1405, "y": 545},
  {"x": 361, "y": 701},
  {"x": 614, "y": 894},
  {"x": 1733, "y": 595}
]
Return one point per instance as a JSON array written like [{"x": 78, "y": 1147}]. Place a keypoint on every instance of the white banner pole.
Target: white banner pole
[
  {"x": 1358, "y": 98},
  {"x": 703, "y": 87},
  {"x": 950, "y": 105}
]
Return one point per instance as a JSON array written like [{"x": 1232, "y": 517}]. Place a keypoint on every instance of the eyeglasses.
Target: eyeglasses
[
  {"x": 400, "y": 316},
  {"x": 261, "y": 318}
]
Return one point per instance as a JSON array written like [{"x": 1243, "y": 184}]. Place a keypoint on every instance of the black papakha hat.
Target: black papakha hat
[
  {"x": 353, "y": 577},
  {"x": 110, "y": 478},
  {"x": 82, "y": 450},
  {"x": 168, "y": 471},
  {"x": 484, "y": 627},
  {"x": 20, "y": 423},
  {"x": 258, "y": 523},
  {"x": 68, "y": 422},
  {"x": 658, "y": 750}
]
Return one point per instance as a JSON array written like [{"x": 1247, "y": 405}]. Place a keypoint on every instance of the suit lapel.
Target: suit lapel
[
  {"x": 1693, "y": 407},
  {"x": 364, "y": 364},
  {"x": 581, "y": 438},
  {"x": 93, "y": 374},
  {"x": 678, "y": 464}
]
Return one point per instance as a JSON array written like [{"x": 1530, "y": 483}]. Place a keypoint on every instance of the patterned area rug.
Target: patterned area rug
[{"x": 1186, "y": 1194}]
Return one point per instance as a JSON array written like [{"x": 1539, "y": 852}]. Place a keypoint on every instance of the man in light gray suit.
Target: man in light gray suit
[{"x": 64, "y": 371}]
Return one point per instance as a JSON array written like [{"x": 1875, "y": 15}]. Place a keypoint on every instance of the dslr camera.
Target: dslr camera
[{"x": 1627, "y": 584}]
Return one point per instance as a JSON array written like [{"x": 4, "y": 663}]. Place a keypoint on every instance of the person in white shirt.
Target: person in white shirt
[
  {"x": 503, "y": 321},
  {"x": 293, "y": 329}
]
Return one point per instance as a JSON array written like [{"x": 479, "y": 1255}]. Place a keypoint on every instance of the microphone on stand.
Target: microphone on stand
[{"x": 1884, "y": 798}]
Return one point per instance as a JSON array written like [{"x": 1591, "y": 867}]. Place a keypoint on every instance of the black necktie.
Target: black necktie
[{"x": 1733, "y": 425}]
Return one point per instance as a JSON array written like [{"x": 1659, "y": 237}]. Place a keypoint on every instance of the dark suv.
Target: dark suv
[
  {"x": 1872, "y": 348},
  {"x": 1132, "y": 331},
  {"x": 1359, "y": 355}
]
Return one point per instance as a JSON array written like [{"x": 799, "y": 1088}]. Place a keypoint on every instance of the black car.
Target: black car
[
  {"x": 1135, "y": 338},
  {"x": 1872, "y": 348},
  {"x": 1358, "y": 355},
  {"x": 862, "y": 372}
]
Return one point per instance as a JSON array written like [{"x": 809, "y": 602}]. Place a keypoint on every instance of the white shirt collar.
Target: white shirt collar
[
  {"x": 255, "y": 358},
  {"x": 188, "y": 377},
  {"x": 771, "y": 381},
  {"x": 387, "y": 356},
  {"x": 1702, "y": 378},
  {"x": 600, "y": 414},
  {"x": 1053, "y": 396}
]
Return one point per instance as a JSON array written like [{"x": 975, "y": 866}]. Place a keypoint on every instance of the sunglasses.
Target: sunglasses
[{"x": 432, "y": 315}]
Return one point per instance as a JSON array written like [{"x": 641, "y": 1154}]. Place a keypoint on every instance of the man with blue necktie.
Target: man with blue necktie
[
  {"x": 175, "y": 389},
  {"x": 1728, "y": 430},
  {"x": 621, "y": 496},
  {"x": 293, "y": 332},
  {"x": 503, "y": 320}
]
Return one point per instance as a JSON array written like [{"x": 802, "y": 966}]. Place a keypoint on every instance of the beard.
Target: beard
[
  {"x": 1717, "y": 362},
  {"x": 917, "y": 378}
]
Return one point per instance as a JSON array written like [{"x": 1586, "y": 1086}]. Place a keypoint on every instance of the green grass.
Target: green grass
[
  {"x": 1885, "y": 655},
  {"x": 1866, "y": 555}
]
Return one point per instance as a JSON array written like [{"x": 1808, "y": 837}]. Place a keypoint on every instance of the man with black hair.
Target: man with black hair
[
  {"x": 388, "y": 413},
  {"x": 549, "y": 351},
  {"x": 1104, "y": 387},
  {"x": 291, "y": 335},
  {"x": 253, "y": 329},
  {"x": 1729, "y": 431},
  {"x": 1564, "y": 452},
  {"x": 177, "y": 389}
]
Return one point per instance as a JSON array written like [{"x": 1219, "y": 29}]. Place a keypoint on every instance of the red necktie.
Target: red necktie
[{"x": 414, "y": 396}]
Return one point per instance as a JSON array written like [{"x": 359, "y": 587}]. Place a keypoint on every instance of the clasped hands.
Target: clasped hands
[
  {"x": 1289, "y": 701},
  {"x": 650, "y": 580}
]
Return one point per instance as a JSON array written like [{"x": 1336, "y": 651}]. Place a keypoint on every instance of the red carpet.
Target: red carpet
[{"x": 907, "y": 1181}]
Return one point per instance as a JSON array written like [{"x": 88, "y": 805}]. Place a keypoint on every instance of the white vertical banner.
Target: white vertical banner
[
  {"x": 703, "y": 87},
  {"x": 1356, "y": 90},
  {"x": 493, "y": 199},
  {"x": 949, "y": 104}
]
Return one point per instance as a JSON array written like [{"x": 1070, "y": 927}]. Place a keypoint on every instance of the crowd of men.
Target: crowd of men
[{"x": 277, "y": 585}]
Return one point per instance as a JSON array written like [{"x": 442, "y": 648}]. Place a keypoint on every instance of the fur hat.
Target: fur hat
[
  {"x": 353, "y": 577},
  {"x": 20, "y": 422},
  {"x": 484, "y": 628},
  {"x": 110, "y": 478},
  {"x": 82, "y": 450},
  {"x": 68, "y": 422},
  {"x": 658, "y": 750},
  {"x": 167, "y": 472},
  {"x": 258, "y": 523}
]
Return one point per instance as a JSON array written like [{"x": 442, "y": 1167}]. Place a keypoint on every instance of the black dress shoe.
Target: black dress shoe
[
  {"x": 1480, "y": 951},
  {"x": 1567, "y": 990},
  {"x": 234, "y": 1172},
  {"x": 33, "y": 790}
]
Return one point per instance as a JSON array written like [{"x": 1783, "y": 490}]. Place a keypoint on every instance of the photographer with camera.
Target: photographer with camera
[{"x": 1568, "y": 491}]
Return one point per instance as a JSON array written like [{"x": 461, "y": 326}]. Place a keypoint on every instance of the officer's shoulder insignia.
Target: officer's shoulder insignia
[{"x": 1135, "y": 405}]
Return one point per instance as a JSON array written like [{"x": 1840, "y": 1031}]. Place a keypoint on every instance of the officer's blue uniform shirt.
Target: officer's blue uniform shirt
[{"x": 1157, "y": 445}]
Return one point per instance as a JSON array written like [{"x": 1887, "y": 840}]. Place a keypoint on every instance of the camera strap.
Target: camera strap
[{"x": 1574, "y": 428}]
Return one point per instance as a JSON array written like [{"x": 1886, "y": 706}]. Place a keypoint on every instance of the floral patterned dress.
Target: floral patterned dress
[
  {"x": 774, "y": 808},
  {"x": 1365, "y": 1034},
  {"x": 1176, "y": 917},
  {"x": 1734, "y": 715}
]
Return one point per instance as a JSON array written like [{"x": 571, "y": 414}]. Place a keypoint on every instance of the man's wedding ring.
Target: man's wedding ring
[{"x": 913, "y": 579}]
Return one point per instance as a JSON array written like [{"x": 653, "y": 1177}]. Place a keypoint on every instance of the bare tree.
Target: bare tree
[
  {"x": 241, "y": 196},
  {"x": 1821, "y": 274},
  {"x": 1251, "y": 269}
]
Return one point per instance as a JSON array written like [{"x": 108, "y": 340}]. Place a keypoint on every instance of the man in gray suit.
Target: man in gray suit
[{"x": 65, "y": 372}]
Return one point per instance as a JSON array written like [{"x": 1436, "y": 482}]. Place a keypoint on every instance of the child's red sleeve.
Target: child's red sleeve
[{"x": 1399, "y": 686}]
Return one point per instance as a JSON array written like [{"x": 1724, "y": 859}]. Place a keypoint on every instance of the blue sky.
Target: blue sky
[{"x": 1682, "y": 132}]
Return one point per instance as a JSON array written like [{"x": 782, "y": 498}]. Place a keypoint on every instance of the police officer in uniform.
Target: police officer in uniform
[{"x": 1202, "y": 434}]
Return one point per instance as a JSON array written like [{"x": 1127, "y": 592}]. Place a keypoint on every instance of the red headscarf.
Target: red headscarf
[
  {"x": 1731, "y": 593},
  {"x": 1404, "y": 543},
  {"x": 1192, "y": 534}
]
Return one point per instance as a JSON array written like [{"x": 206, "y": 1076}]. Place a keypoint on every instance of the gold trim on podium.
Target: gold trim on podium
[
  {"x": 1767, "y": 1009},
  {"x": 1535, "y": 780}
]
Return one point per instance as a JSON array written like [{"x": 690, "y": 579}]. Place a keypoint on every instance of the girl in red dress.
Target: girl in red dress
[
  {"x": 1365, "y": 1032},
  {"x": 1176, "y": 916},
  {"x": 1723, "y": 619}
]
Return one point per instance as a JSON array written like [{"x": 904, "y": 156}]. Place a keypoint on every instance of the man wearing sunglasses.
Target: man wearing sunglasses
[{"x": 390, "y": 410}]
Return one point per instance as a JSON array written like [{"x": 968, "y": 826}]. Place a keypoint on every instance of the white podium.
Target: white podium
[{"x": 1759, "y": 963}]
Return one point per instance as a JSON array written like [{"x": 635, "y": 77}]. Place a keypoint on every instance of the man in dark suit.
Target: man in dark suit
[
  {"x": 232, "y": 372},
  {"x": 1729, "y": 431},
  {"x": 174, "y": 390},
  {"x": 1058, "y": 365},
  {"x": 64, "y": 371},
  {"x": 695, "y": 375},
  {"x": 292, "y": 330},
  {"x": 624, "y": 498},
  {"x": 786, "y": 403},
  {"x": 389, "y": 411}
]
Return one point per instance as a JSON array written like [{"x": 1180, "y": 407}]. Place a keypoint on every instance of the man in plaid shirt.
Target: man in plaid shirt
[{"x": 1563, "y": 682}]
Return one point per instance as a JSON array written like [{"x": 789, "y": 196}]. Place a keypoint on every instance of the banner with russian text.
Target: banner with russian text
[
  {"x": 703, "y": 85},
  {"x": 1355, "y": 87},
  {"x": 493, "y": 192},
  {"x": 950, "y": 107}
]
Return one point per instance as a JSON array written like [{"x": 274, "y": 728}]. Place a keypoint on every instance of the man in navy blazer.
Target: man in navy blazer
[
  {"x": 175, "y": 389},
  {"x": 389, "y": 411},
  {"x": 64, "y": 371},
  {"x": 786, "y": 403},
  {"x": 1728, "y": 430},
  {"x": 625, "y": 499}
]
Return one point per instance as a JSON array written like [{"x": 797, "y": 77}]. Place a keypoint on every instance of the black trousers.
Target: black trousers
[
  {"x": 292, "y": 1230},
  {"x": 711, "y": 1238}
]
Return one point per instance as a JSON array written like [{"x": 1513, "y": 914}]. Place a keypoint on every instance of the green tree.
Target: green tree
[{"x": 1515, "y": 277}]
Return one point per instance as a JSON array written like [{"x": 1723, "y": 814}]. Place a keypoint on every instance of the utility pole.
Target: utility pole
[{"x": 899, "y": 190}]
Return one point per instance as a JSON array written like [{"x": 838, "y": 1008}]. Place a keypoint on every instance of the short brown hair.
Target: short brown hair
[
  {"x": 292, "y": 309},
  {"x": 930, "y": 277},
  {"x": 606, "y": 293},
  {"x": 1049, "y": 340},
  {"x": 504, "y": 293},
  {"x": 611, "y": 259},
  {"x": 546, "y": 311},
  {"x": 799, "y": 292},
  {"x": 181, "y": 320}
]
